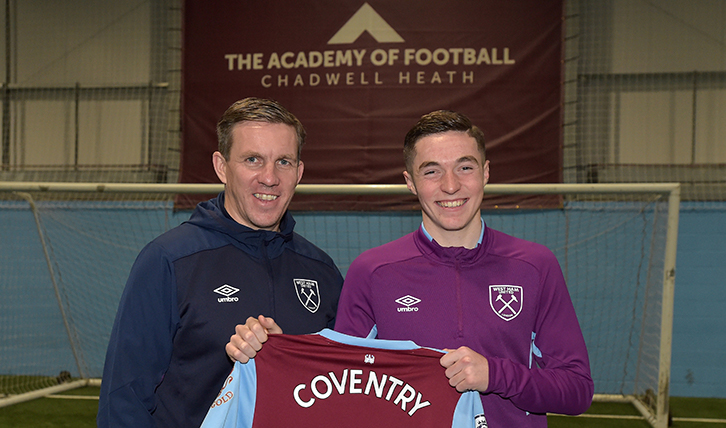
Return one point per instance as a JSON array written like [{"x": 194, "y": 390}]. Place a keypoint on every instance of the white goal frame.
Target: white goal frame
[{"x": 658, "y": 419}]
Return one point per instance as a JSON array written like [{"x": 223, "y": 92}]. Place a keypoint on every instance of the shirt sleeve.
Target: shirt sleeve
[
  {"x": 140, "y": 345},
  {"x": 559, "y": 379},
  {"x": 355, "y": 315},
  {"x": 234, "y": 407}
]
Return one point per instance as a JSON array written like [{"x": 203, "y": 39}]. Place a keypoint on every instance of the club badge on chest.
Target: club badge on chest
[{"x": 506, "y": 300}]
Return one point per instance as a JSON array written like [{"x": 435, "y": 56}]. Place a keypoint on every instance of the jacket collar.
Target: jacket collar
[
  {"x": 450, "y": 255},
  {"x": 211, "y": 214}
]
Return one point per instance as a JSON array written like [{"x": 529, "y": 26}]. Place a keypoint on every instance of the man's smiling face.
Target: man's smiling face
[
  {"x": 448, "y": 176},
  {"x": 261, "y": 173}
]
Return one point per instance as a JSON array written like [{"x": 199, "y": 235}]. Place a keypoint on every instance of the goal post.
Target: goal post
[{"x": 67, "y": 251}]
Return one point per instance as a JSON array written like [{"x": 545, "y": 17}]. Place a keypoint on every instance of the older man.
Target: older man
[{"x": 237, "y": 257}]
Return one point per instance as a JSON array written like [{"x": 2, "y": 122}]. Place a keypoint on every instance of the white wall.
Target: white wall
[
  {"x": 658, "y": 113},
  {"x": 98, "y": 45}
]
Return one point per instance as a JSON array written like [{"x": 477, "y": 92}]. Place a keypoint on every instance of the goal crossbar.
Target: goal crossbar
[{"x": 336, "y": 189}]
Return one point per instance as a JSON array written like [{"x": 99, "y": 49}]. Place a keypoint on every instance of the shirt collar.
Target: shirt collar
[{"x": 481, "y": 236}]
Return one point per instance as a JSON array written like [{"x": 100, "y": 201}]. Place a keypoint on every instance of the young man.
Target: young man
[
  {"x": 498, "y": 303},
  {"x": 237, "y": 257}
]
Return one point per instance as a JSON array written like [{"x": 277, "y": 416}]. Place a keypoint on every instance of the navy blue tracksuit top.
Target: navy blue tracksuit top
[{"x": 187, "y": 290}]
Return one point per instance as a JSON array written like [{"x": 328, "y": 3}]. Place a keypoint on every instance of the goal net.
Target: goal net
[{"x": 67, "y": 248}]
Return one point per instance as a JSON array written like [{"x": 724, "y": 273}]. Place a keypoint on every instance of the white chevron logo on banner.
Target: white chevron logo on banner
[{"x": 365, "y": 19}]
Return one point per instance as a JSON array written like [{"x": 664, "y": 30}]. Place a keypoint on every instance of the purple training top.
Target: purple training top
[{"x": 506, "y": 299}]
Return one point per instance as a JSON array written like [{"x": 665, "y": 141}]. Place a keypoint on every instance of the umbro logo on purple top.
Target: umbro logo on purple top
[{"x": 408, "y": 301}]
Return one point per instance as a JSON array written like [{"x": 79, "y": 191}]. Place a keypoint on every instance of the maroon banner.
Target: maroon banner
[{"x": 359, "y": 75}]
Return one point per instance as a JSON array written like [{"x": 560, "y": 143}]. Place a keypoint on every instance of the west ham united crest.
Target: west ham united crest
[
  {"x": 506, "y": 300},
  {"x": 308, "y": 293}
]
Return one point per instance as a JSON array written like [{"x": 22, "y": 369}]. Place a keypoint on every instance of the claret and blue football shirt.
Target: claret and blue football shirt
[{"x": 334, "y": 380}]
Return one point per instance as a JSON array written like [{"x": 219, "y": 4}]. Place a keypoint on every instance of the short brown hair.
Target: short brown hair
[
  {"x": 255, "y": 110},
  {"x": 438, "y": 122}
]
